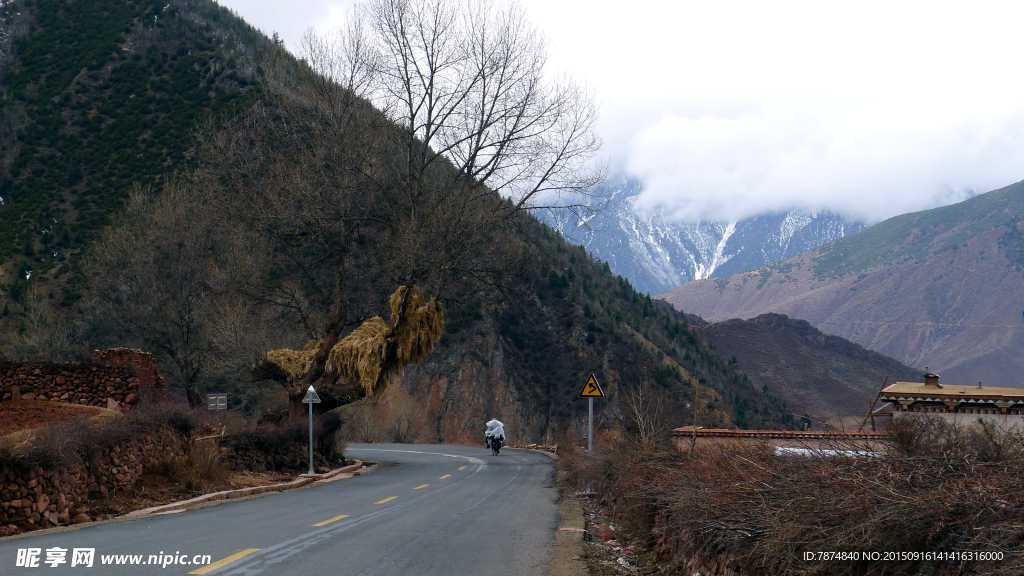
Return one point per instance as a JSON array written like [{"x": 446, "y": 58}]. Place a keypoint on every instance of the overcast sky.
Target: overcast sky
[{"x": 728, "y": 109}]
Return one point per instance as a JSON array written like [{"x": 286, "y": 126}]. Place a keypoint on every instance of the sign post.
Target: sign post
[
  {"x": 311, "y": 398},
  {"x": 590, "y": 391}
]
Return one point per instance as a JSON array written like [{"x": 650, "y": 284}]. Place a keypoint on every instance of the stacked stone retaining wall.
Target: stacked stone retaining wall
[
  {"x": 140, "y": 363},
  {"x": 39, "y": 498},
  {"x": 115, "y": 379},
  {"x": 283, "y": 459}
]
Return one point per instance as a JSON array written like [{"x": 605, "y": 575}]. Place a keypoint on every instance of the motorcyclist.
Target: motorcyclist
[{"x": 496, "y": 430}]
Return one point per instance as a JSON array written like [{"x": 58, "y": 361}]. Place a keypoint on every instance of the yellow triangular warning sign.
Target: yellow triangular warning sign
[{"x": 591, "y": 389}]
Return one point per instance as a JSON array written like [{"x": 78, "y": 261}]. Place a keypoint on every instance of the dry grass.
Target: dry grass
[
  {"x": 201, "y": 471},
  {"x": 295, "y": 362},
  {"x": 360, "y": 355},
  {"x": 942, "y": 489},
  {"x": 377, "y": 350},
  {"x": 70, "y": 443}
]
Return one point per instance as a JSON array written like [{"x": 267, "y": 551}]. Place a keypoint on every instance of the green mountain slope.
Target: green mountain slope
[
  {"x": 98, "y": 96},
  {"x": 912, "y": 237}
]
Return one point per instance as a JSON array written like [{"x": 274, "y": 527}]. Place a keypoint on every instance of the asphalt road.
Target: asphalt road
[{"x": 425, "y": 510}]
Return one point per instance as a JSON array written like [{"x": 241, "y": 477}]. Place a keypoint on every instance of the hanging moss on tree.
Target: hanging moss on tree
[
  {"x": 371, "y": 354},
  {"x": 295, "y": 362}
]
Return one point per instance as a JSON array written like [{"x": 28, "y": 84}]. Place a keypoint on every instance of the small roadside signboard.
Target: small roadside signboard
[
  {"x": 217, "y": 401},
  {"x": 590, "y": 391}
]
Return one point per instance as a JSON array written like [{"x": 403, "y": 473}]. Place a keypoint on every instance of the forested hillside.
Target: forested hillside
[
  {"x": 98, "y": 96},
  {"x": 253, "y": 204},
  {"x": 824, "y": 376}
]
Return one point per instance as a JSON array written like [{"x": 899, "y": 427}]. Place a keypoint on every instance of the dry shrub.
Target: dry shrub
[
  {"x": 362, "y": 422},
  {"x": 397, "y": 417},
  {"x": 201, "y": 471},
  {"x": 78, "y": 441},
  {"x": 941, "y": 489},
  {"x": 275, "y": 444}
]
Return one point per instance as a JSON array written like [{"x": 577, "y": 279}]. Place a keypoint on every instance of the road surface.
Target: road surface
[{"x": 427, "y": 509}]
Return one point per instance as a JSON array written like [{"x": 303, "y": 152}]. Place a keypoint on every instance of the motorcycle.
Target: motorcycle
[{"x": 495, "y": 445}]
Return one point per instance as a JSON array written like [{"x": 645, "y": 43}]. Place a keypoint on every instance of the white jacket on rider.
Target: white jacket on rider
[{"x": 495, "y": 429}]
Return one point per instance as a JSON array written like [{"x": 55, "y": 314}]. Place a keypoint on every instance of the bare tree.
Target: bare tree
[
  {"x": 642, "y": 414},
  {"x": 153, "y": 273},
  {"x": 413, "y": 200},
  {"x": 465, "y": 83},
  {"x": 44, "y": 333}
]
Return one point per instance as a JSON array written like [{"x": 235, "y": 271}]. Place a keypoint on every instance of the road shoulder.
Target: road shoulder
[{"x": 567, "y": 555}]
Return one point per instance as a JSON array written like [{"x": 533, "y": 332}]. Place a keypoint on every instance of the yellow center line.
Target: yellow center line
[
  {"x": 443, "y": 477},
  {"x": 224, "y": 562},
  {"x": 418, "y": 487},
  {"x": 386, "y": 500},
  {"x": 463, "y": 468},
  {"x": 335, "y": 519}
]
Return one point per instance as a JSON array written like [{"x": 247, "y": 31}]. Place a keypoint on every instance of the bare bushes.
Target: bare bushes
[
  {"x": 81, "y": 441},
  {"x": 982, "y": 441},
  {"x": 285, "y": 447},
  {"x": 395, "y": 418},
  {"x": 941, "y": 489},
  {"x": 200, "y": 472},
  {"x": 643, "y": 417}
]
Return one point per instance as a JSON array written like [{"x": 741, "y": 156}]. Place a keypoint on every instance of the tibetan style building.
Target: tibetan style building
[{"x": 960, "y": 404}]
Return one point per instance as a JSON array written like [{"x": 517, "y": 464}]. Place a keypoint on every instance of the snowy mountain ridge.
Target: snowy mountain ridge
[{"x": 658, "y": 255}]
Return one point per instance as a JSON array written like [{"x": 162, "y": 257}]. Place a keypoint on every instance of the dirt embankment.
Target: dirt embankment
[{"x": 27, "y": 414}]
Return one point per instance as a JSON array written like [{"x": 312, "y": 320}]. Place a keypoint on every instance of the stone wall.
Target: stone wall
[
  {"x": 41, "y": 498},
  {"x": 281, "y": 449},
  {"x": 115, "y": 379},
  {"x": 283, "y": 459},
  {"x": 140, "y": 363}
]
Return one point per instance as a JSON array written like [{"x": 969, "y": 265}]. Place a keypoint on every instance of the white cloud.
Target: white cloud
[{"x": 871, "y": 161}]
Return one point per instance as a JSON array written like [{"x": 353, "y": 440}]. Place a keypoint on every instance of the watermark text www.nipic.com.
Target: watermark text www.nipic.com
[{"x": 87, "y": 557}]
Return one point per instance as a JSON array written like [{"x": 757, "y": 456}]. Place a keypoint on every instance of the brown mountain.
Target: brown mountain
[
  {"x": 817, "y": 374},
  {"x": 940, "y": 288}
]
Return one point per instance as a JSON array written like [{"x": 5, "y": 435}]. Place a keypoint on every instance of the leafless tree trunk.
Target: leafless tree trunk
[
  {"x": 644, "y": 417},
  {"x": 154, "y": 272},
  {"x": 44, "y": 333}
]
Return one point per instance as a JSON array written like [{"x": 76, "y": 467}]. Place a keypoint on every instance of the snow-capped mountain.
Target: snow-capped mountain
[{"x": 657, "y": 256}]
